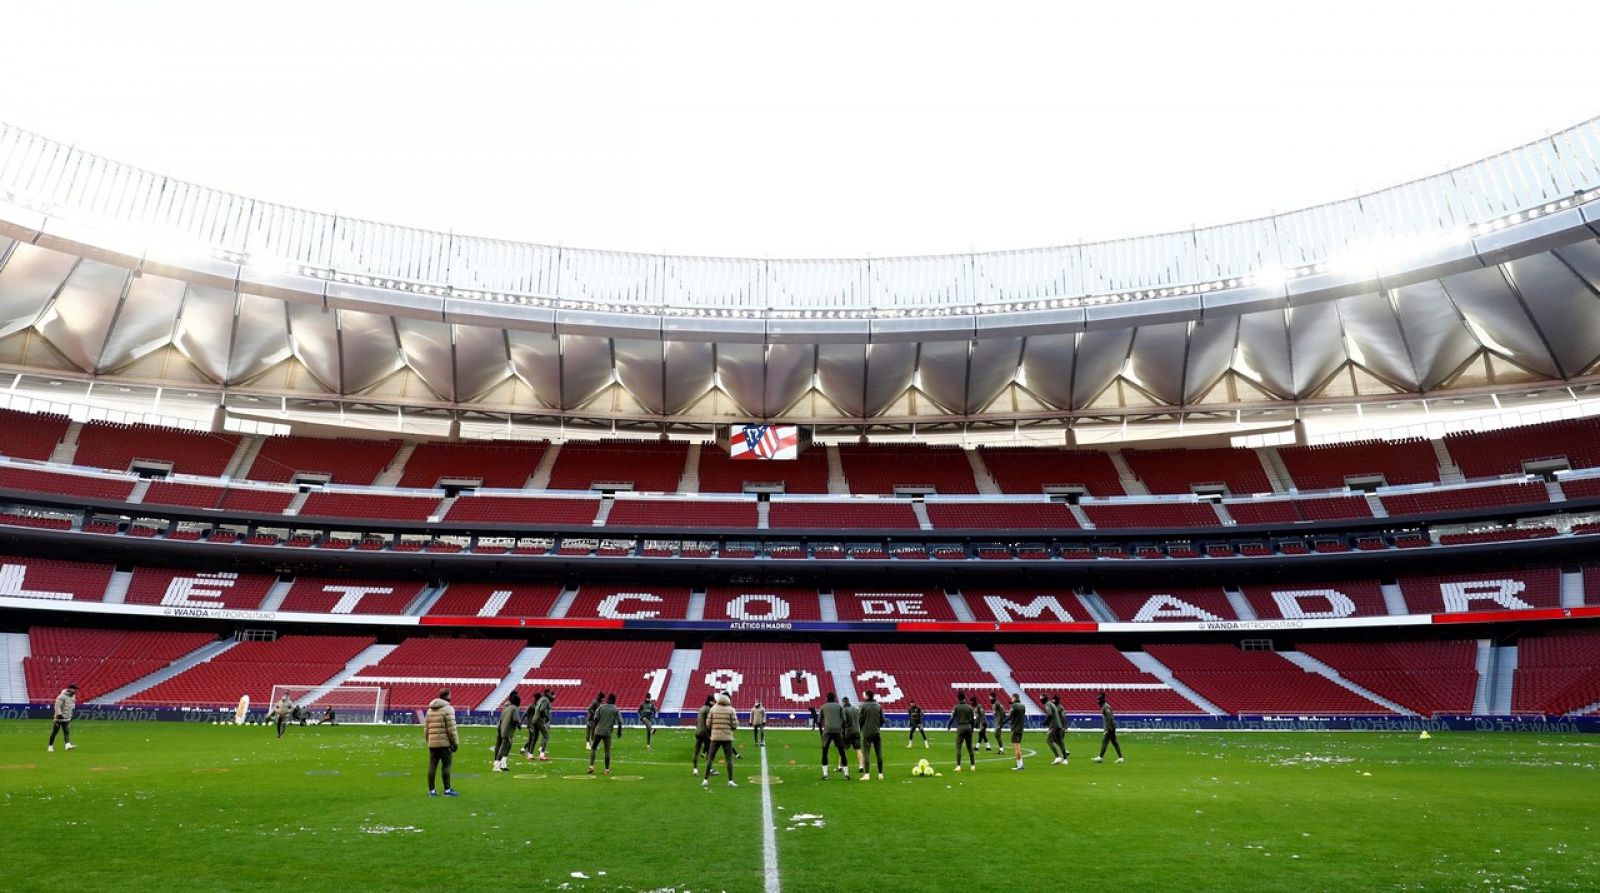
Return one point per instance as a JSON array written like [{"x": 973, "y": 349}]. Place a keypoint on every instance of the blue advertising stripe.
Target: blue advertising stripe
[{"x": 760, "y": 626}]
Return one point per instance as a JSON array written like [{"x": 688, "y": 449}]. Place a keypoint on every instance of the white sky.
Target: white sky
[{"x": 798, "y": 129}]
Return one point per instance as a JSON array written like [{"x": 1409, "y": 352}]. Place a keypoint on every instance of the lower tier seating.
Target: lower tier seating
[
  {"x": 99, "y": 660},
  {"x": 253, "y": 668},
  {"x": 1250, "y": 682},
  {"x": 783, "y": 676}
]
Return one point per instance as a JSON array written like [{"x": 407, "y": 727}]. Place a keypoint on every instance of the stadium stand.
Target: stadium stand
[
  {"x": 1424, "y": 502},
  {"x": 324, "y": 595},
  {"x": 99, "y": 660},
  {"x": 880, "y": 469},
  {"x": 1557, "y": 675},
  {"x": 1152, "y": 514},
  {"x": 1168, "y": 605},
  {"x": 1490, "y": 591},
  {"x": 43, "y": 522},
  {"x": 200, "y": 589},
  {"x": 554, "y": 511},
  {"x": 496, "y": 600},
  {"x": 253, "y": 668},
  {"x": 1248, "y": 682},
  {"x": 1033, "y": 469},
  {"x": 642, "y": 601},
  {"x": 1041, "y": 605},
  {"x": 30, "y": 435},
  {"x": 491, "y": 464},
  {"x": 807, "y": 474},
  {"x": 928, "y": 674},
  {"x": 1432, "y": 678},
  {"x": 1493, "y": 453},
  {"x": 1078, "y": 672},
  {"x": 1264, "y": 511},
  {"x": 54, "y": 579},
  {"x": 1180, "y": 471},
  {"x": 117, "y": 447},
  {"x": 576, "y": 669},
  {"x": 207, "y": 496},
  {"x": 1328, "y": 467},
  {"x": 1501, "y": 535},
  {"x": 1001, "y": 516},
  {"x": 321, "y": 504},
  {"x": 758, "y": 602},
  {"x": 891, "y": 604},
  {"x": 344, "y": 460},
  {"x": 689, "y": 513},
  {"x": 102, "y": 488},
  {"x": 414, "y": 671},
  {"x": 1297, "y": 601},
  {"x": 783, "y": 676},
  {"x": 856, "y": 515},
  {"x": 651, "y": 467}
]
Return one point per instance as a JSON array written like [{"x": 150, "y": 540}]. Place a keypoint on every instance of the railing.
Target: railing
[{"x": 1537, "y": 178}]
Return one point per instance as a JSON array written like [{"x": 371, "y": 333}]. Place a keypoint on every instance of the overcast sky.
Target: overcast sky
[{"x": 798, "y": 129}]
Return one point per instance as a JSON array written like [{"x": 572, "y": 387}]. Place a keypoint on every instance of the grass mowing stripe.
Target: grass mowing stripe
[{"x": 769, "y": 835}]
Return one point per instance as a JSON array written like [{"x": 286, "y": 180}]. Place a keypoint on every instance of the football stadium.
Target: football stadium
[{"x": 338, "y": 553}]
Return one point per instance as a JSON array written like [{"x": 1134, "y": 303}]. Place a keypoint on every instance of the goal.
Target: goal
[{"x": 350, "y": 703}]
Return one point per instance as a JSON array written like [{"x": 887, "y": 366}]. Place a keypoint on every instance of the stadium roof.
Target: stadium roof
[{"x": 1482, "y": 282}]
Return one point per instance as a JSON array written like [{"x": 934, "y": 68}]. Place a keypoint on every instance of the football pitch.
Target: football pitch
[{"x": 178, "y": 806}]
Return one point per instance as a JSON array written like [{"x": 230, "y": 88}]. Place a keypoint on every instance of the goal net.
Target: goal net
[{"x": 350, "y": 703}]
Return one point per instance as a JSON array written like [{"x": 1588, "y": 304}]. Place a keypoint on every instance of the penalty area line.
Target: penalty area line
[{"x": 769, "y": 836}]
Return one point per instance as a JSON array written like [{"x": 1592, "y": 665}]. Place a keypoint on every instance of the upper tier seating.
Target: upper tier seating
[
  {"x": 1493, "y": 453},
  {"x": 31, "y": 435},
  {"x": 720, "y": 474},
  {"x": 321, "y": 504},
  {"x": 576, "y": 669},
  {"x": 323, "y": 595},
  {"x": 496, "y": 600},
  {"x": 498, "y": 465},
  {"x": 1032, "y": 469},
  {"x": 928, "y": 674},
  {"x": 1557, "y": 675},
  {"x": 104, "y": 489},
  {"x": 206, "y": 496},
  {"x": 642, "y": 601},
  {"x": 1297, "y": 601},
  {"x": 54, "y": 579},
  {"x": 1077, "y": 673},
  {"x": 1155, "y": 514},
  {"x": 757, "y": 602},
  {"x": 253, "y": 668},
  {"x": 1001, "y": 516},
  {"x": 785, "y": 677},
  {"x": 555, "y": 512},
  {"x": 1290, "y": 511},
  {"x": 1251, "y": 682},
  {"x": 1171, "y": 604},
  {"x": 1432, "y": 678},
  {"x": 1429, "y": 501},
  {"x": 991, "y": 604},
  {"x": 198, "y": 589},
  {"x": 346, "y": 460},
  {"x": 856, "y": 515},
  {"x": 1180, "y": 471},
  {"x": 107, "y": 445},
  {"x": 98, "y": 660},
  {"x": 891, "y": 604},
  {"x": 881, "y": 468},
  {"x": 1327, "y": 467},
  {"x": 1488, "y": 591},
  {"x": 693, "y": 513},
  {"x": 649, "y": 466},
  {"x": 417, "y": 668}
]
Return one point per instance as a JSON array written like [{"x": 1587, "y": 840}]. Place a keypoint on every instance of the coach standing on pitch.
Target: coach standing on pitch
[
  {"x": 721, "y": 721},
  {"x": 439, "y": 730},
  {"x": 61, "y": 717}
]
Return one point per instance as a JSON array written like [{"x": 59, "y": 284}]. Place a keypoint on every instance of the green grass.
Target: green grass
[{"x": 154, "y": 805}]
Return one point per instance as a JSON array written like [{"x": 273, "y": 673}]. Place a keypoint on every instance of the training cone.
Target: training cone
[{"x": 1425, "y": 736}]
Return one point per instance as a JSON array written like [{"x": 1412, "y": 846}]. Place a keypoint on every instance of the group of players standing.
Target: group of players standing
[
  {"x": 969, "y": 718},
  {"x": 602, "y": 722}
]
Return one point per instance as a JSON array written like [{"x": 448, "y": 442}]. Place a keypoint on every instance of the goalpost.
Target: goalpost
[{"x": 352, "y": 704}]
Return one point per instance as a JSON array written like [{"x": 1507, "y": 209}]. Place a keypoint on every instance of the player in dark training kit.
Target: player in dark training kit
[
  {"x": 647, "y": 718},
  {"x": 871, "y": 721},
  {"x": 915, "y": 717},
  {"x": 980, "y": 718},
  {"x": 702, "y": 735},
  {"x": 506, "y": 732},
  {"x": 1017, "y": 720},
  {"x": 961, "y": 720},
  {"x": 1108, "y": 721},
  {"x": 852, "y": 732},
  {"x": 831, "y": 719},
  {"x": 1055, "y": 724},
  {"x": 607, "y": 719}
]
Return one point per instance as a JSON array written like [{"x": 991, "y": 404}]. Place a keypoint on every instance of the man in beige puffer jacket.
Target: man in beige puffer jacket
[{"x": 439, "y": 727}]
